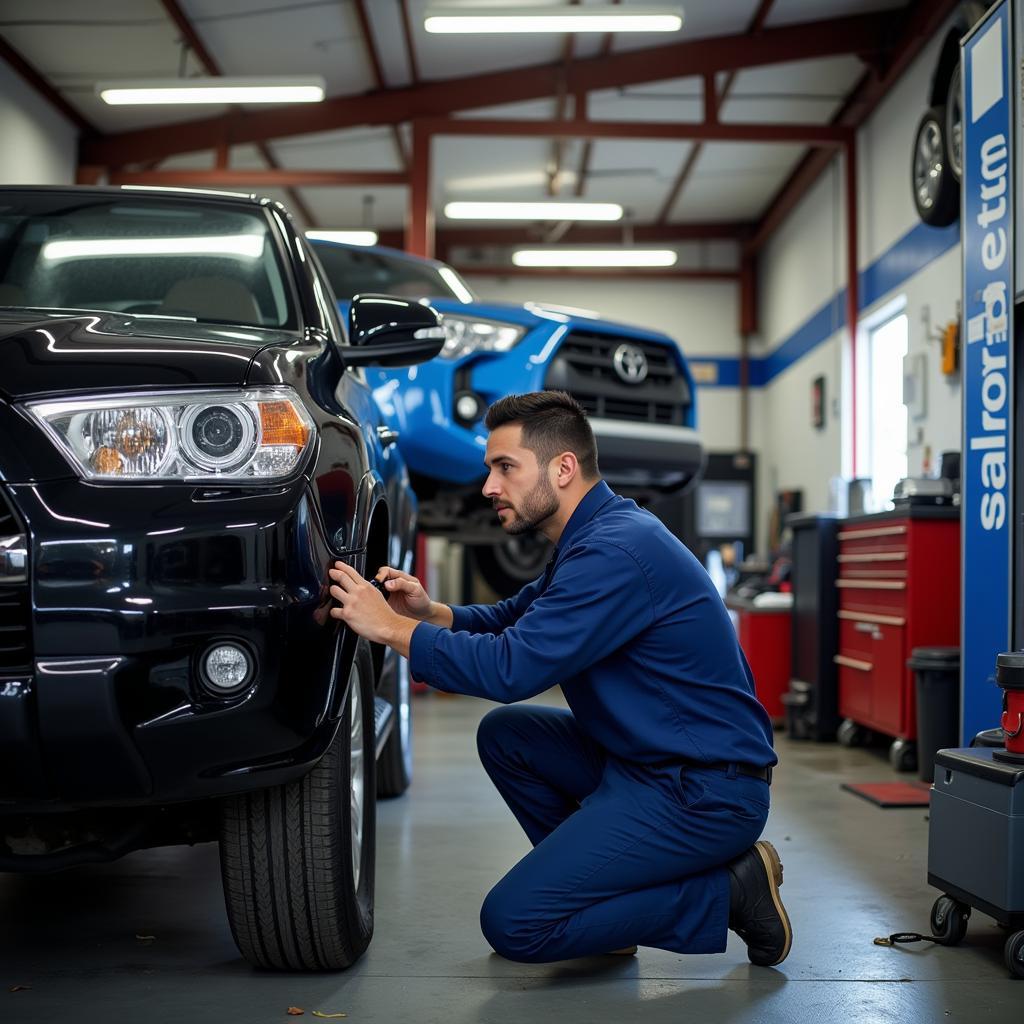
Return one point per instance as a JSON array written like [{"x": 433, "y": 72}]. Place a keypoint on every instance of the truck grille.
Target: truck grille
[
  {"x": 584, "y": 366},
  {"x": 15, "y": 645}
]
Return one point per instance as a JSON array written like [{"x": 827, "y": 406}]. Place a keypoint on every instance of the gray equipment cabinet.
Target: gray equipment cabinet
[{"x": 976, "y": 846}]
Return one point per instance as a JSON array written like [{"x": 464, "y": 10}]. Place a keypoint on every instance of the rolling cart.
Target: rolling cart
[{"x": 976, "y": 846}]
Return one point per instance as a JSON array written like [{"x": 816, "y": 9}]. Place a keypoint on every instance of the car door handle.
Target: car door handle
[{"x": 387, "y": 436}]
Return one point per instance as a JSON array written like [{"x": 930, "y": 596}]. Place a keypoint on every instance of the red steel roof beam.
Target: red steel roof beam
[
  {"x": 279, "y": 177},
  {"x": 919, "y": 24},
  {"x": 812, "y": 134},
  {"x": 419, "y": 235},
  {"x": 507, "y": 270},
  {"x": 856, "y": 34},
  {"x": 597, "y": 233}
]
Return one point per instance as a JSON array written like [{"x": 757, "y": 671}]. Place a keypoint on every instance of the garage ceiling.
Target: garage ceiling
[{"x": 381, "y": 66}]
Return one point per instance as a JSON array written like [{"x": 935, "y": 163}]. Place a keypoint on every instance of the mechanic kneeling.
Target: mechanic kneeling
[{"x": 644, "y": 800}]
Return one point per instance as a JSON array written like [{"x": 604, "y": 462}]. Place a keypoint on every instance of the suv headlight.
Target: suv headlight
[
  {"x": 233, "y": 435},
  {"x": 465, "y": 334}
]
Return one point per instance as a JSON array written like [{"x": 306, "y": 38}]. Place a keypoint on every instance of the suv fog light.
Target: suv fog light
[
  {"x": 226, "y": 668},
  {"x": 468, "y": 406}
]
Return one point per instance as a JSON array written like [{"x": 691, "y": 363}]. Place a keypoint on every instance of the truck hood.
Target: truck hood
[
  {"x": 532, "y": 314},
  {"x": 52, "y": 354}
]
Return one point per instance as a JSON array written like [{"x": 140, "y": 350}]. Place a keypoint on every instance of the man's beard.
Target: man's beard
[{"x": 540, "y": 504}]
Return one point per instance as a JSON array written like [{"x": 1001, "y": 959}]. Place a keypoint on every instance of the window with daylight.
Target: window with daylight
[{"x": 883, "y": 409}]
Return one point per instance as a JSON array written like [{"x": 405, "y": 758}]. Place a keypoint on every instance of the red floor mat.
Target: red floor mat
[{"x": 892, "y": 794}]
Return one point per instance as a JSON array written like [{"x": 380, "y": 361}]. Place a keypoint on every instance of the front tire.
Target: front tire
[
  {"x": 297, "y": 860},
  {"x": 394, "y": 769}
]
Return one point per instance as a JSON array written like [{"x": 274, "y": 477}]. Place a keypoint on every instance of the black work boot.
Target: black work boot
[{"x": 756, "y": 913}]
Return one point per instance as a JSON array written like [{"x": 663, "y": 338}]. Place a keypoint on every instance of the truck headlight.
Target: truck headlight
[
  {"x": 471, "y": 334},
  {"x": 234, "y": 435}
]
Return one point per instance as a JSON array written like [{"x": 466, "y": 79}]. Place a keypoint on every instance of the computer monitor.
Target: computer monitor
[{"x": 723, "y": 508}]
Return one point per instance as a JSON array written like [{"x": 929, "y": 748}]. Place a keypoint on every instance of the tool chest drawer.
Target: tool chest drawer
[
  {"x": 898, "y": 587},
  {"x": 886, "y": 596}
]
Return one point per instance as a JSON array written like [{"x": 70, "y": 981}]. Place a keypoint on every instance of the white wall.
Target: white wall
[
  {"x": 804, "y": 265},
  {"x": 39, "y": 145},
  {"x": 700, "y": 315}
]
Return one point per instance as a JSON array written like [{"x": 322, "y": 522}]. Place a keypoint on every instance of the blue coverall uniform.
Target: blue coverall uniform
[{"x": 630, "y": 833}]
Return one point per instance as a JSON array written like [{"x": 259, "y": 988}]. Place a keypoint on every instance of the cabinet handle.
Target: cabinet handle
[
  {"x": 875, "y": 556},
  {"x": 845, "y": 662},
  {"x": 885, "y": 620},
  {"x": 882, "y": 531},
  {"x": 873, "y": 584},
  {"x": 870, "y": 628}
]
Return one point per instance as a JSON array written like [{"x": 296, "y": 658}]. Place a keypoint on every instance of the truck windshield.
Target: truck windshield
[
  {"x": 354, "y": 271},
  {"x": 143, "y": 255}
]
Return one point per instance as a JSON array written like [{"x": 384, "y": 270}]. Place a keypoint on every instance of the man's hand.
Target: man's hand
[
  {"x": 405, "y": 593},
  {"x": 360, "y": 606},
  {"x": 406, "y": 596}
]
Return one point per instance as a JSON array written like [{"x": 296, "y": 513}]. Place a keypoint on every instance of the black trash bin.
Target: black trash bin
[{"x": 937, "y": 683}]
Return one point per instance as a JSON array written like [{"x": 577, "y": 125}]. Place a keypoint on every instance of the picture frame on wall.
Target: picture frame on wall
[{"x": 818, "y": 402}]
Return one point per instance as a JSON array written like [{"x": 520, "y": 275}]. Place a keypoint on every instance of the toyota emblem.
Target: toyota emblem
[{"x": 630, "y": 364}]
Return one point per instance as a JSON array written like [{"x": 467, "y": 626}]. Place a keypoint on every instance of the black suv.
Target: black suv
[{"x": 186, "y": 443}]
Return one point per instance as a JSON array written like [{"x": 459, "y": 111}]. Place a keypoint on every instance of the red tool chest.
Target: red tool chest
[{"x": 898, "y": 586}]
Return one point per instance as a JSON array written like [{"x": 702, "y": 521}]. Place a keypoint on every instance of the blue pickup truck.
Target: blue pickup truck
[{"x": 634, "y": 383}]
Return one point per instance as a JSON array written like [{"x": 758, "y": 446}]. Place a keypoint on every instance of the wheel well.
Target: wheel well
[{"x": 376, "y": 556}]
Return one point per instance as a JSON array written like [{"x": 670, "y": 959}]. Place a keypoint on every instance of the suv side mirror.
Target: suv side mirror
[{"x": 385, "y": 330}]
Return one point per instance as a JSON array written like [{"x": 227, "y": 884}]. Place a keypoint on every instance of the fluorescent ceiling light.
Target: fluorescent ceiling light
[
  {"x": 604, "y": 18},
  {"x": 307, "y": 89},
  {"x": 248, "y": 246},
  {"x": 594, "y": 258},
  {"x": 533, "y": 211},
  {"x": 351, "y": 237}
]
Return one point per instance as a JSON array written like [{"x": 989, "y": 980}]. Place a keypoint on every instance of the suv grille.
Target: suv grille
[
  {"x": 15, "y": 649},
  {"x": 584, "y": 366}
]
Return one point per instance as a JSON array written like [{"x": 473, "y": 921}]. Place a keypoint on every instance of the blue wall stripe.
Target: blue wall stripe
[
  {"x": 910, "y": 255},
  {"x": 906, "y": 257}
]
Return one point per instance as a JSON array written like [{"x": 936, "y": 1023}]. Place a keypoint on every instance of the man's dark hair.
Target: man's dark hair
[{"x": 553, "y": 422}]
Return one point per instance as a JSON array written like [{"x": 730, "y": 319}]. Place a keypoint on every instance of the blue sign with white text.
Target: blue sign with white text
[{"x": 987, "y": 361}]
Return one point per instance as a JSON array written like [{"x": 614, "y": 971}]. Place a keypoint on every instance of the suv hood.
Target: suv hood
[{"x": 42, "y": 355}]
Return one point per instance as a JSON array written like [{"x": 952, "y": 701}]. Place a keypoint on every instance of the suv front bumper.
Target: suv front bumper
[{"x": 127, "y": 591}]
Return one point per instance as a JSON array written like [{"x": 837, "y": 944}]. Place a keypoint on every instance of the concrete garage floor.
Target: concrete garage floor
[{"x": 853, "y": 871}]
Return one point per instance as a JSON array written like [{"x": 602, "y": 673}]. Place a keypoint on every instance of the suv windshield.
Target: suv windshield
[
  {"x": 369, "y": 271},
  {"x": 141, "y": 254}
]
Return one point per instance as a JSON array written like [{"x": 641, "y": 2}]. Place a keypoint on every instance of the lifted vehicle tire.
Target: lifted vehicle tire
[
  {"x": 394, "y": 767},
  {"x": 936, "y": 191},
  {"x": 508, "y": 566},
  {"x": 955, "y": 126},
  {"x": 298, "y": 860}
]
